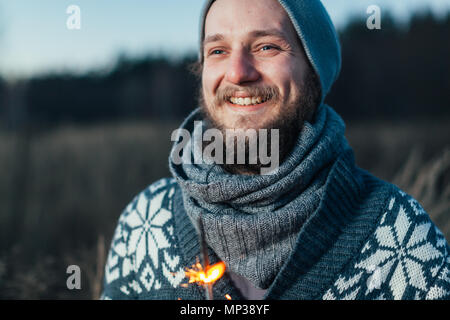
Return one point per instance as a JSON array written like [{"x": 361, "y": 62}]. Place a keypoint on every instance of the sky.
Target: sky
[{"x": 34, "y": 37}]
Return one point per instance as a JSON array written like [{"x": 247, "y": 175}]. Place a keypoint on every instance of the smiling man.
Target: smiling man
[
  {"x": 255, "y": 73},
  {"x": 317, "y": 227}
]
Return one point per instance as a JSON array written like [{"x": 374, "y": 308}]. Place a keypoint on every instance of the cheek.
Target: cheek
[
  {"x": 292, "y": 81},
  {"x": 282, "y": 75},
  {"x": 211, "y": 77},
  {"x": 206, "y": 85},
  {"x": 209, "y": 89}
]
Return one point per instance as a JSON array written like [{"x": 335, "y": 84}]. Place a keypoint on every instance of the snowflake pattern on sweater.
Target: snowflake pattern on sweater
[
  {"x": 144, "y": 255},
  {"x": 405, "y": 257}
]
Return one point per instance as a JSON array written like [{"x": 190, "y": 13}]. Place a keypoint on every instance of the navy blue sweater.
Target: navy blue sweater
[{"x": 366, "y": 240}]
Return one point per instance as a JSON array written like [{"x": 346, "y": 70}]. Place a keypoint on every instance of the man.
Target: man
[{"x": 315, "y": 227}]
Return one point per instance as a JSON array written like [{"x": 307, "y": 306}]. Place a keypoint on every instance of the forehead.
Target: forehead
[{"x": 241, "y": 17}]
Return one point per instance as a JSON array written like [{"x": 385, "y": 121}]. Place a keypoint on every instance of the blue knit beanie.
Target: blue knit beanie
[{"x": 316, "y": 32}]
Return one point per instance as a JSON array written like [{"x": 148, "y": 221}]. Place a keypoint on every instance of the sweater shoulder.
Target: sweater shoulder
[
  {"x": 149, "y": 193},
  {"x": 144, "y": 261},
  {"x": 405, "y": 257}
]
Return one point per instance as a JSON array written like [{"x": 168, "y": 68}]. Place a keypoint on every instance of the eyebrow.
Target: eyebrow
[{"x": 252, "y": 34}]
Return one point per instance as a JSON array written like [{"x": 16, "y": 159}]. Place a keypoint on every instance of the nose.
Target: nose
[{"x": 241, "y": 69}]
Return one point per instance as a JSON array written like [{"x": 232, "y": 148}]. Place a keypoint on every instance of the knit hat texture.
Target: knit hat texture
[{"x": 316, "y": 32}]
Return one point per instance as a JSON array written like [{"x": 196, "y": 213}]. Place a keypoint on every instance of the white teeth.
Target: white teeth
[{"x": 246, "y": 101}]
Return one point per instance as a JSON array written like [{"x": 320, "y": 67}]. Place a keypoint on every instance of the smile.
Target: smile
[{"x": 247, "y": 101}]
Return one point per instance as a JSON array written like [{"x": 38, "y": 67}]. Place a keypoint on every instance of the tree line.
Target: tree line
[{"x": 401, "y": 71}]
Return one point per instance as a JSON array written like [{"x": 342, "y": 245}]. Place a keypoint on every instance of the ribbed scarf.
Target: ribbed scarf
[{"x": 252, "y": 221}]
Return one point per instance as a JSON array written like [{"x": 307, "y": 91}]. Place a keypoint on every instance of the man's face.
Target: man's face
[{"x": 254, "y": 67}]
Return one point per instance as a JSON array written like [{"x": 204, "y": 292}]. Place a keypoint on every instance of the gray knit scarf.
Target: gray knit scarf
[{"x": 252, "y": 221}]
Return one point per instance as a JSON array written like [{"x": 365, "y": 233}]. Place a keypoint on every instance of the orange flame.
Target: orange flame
[
  {"x": 228, "y": 296},
  {"x": 210, "y": 275}
]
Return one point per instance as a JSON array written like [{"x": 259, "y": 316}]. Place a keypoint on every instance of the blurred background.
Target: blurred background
[{"x": 86, "y": 117}]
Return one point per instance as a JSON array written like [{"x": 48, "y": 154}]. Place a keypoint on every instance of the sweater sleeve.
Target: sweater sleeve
[
  {"x": 405, "y": 258},
  {"x": 118, "y": 273},
  {"x": 142, "y": 232},
  {"x": 440, "y": 290},
  {"x": 433, "y": 249}
]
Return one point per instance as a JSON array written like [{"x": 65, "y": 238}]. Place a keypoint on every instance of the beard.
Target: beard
[{"x": 289, "y": 121}]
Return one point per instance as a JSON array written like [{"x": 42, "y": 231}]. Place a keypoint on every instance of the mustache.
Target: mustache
[{"x": 265, "y": 92}]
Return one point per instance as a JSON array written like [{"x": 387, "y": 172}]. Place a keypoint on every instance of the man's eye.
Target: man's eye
[
  {"x": 216, "y": 52},
  {"x": 265, "y": 48}
]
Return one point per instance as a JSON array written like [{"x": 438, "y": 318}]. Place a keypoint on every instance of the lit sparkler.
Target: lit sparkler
[{"x": 206, "y": 274}]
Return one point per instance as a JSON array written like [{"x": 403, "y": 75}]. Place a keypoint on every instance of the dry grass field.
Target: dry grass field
[
  {"x": 62, "y": 190},
  {"x": 414, "y": 156}
]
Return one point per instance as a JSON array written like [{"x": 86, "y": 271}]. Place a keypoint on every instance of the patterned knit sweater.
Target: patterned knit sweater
[{"x": 366, "y": 240}]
